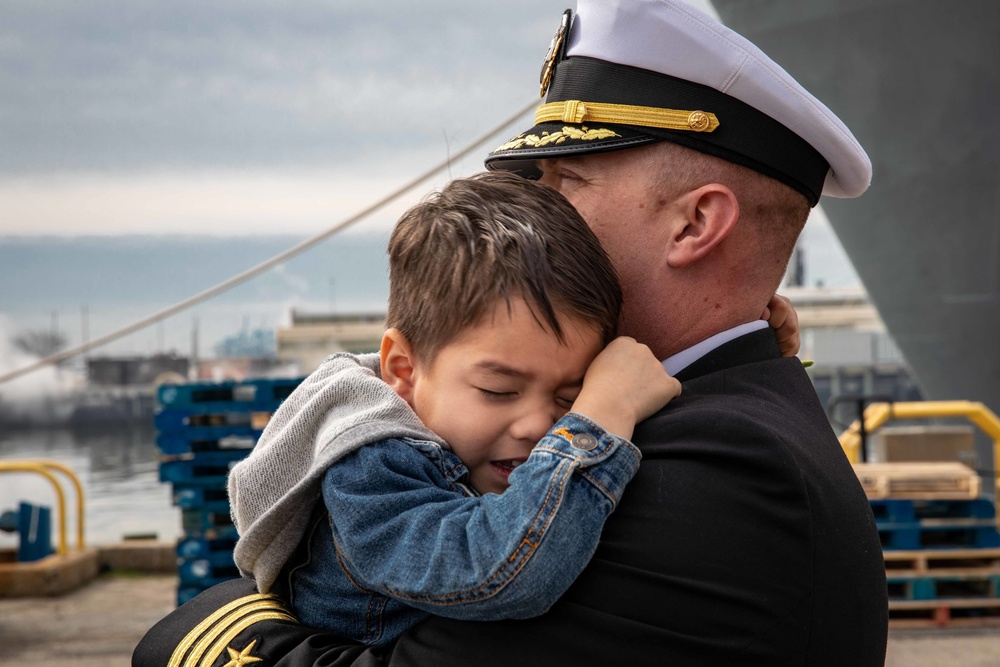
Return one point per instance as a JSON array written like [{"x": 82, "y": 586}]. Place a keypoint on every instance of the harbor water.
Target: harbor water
[{"x": 118, "y": 467}]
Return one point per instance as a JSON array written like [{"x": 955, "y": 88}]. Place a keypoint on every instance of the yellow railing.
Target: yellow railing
[
  {"x": 44, "y": 467},
  {"x": 878, "y": 414}
]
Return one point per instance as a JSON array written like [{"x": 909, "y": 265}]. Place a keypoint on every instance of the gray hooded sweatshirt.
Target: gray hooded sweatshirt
[{"x": 342, "y": 406}]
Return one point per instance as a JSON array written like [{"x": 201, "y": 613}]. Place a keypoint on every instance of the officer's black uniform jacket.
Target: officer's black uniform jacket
[{"x": 745, "y": 539}]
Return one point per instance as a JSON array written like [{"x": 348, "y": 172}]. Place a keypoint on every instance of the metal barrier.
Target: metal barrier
[
  {"x": 878, "y": 414},
  {"x": 44, "y": 467}
]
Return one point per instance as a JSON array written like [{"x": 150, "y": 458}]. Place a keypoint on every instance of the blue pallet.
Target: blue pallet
[
  {"x": 177, "y": 420},
  {"x": 950, "y": 587},
  {"x": 973, "y": 534},
  {"x": 218, "y": 456},
  {"x": 216, "y": 531},
  {"x": 206, "y": 566},
  {"x": 203, "y": 547},
  {"x": 194, "y": 473},
  {"x": 273, "y": 391},
  {"x": 265, "y": 393},
  {"x": 212, "y": 434},
  {"x": 201, "y": 571},
  {"x": 195, "y": 442},
  {"x": 205, "y": 469},
  {"x": 207, "y": 523},
  {"x": 204, "y": 498},
  {"x": 192, "y": 393},
  {"x": 894, "y": 510}
]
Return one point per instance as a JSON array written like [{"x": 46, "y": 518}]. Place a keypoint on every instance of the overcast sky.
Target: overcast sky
[
  {"x": 235, "y": 117},
  {"x": 130, "y": 116}
]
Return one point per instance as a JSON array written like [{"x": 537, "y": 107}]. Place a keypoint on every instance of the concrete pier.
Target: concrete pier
[
  {"x": 99, "y": 625},
  {"x": 60, "y": 574}
]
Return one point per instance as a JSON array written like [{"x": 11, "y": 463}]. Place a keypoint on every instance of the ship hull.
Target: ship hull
[{"x": 917, "y": 81}]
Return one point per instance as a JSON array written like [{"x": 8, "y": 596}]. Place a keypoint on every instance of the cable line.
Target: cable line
[{"x": 267, "y": 264}]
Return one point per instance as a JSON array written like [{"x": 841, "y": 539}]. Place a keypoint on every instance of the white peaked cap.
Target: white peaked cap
[{"x": 628, "y": 64}]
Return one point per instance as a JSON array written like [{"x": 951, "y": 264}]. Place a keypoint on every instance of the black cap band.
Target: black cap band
[{"x": 745, "y": 136}]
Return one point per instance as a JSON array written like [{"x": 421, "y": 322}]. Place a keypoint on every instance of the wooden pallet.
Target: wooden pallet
[
  {"x": 967, "y": 586},
  {"x": 942, "y": 562},
  {"x": 918, "y": 481},
  {"x": 957, "y": 612}
]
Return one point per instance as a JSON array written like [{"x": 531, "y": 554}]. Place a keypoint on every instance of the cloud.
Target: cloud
[
  {"x": 248, "y": 116},
  {"x": 217, "y": 203},
  {"x": 120, "y": 85}
]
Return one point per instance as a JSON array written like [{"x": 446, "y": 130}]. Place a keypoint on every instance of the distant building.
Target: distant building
[
  {"x": 852, "y": 352},
  {"x": 120, "y": 389},
  {"x": 312, "y": 337},
  {"x": 135, "y": 370},
  {"x": 256, "y": 343},
  {"x": 241, "y": 368}
]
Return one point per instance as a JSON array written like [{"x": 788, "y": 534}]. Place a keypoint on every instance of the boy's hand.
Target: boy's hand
[
  {"x": 624, "y": 384},
  {"x": 781, "y": 317}
]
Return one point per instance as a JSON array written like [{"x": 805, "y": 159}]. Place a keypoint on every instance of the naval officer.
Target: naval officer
[{"x": 745, "y": 538}]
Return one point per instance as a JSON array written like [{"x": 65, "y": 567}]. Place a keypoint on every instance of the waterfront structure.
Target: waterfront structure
[
  {"x": 247, "y": 343},
  {"x": 311, "y": 337},
  {"x": 135, "y": 370},
  {"x": 241, "y": 368},
  {"x": 852, "y": 352}
]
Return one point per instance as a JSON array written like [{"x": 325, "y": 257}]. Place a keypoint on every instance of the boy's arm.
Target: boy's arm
[{"x": 401, "y": 533}]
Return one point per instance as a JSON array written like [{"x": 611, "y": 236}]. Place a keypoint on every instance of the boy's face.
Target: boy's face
[{"x": 495, "y": 390}]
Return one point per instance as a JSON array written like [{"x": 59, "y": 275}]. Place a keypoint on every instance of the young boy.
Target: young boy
[{"x": 466, "y": 470}]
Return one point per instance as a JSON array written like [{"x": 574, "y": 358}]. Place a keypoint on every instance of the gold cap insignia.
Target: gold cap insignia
[{"x": 549, "y": 64}]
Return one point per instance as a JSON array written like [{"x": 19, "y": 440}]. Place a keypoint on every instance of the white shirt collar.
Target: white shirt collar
[{"x": 685, "y": 358}]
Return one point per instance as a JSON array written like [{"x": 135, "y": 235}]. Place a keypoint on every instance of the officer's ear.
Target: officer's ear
[
  {"x": 397, "y": 363},
  {"x": 706, "y": 216}
]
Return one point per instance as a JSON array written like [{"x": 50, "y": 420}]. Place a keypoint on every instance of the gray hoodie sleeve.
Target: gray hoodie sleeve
[{"x": 343, "y": 405}]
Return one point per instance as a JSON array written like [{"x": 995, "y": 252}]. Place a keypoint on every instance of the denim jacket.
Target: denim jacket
[{"x": 404, "y": 537}]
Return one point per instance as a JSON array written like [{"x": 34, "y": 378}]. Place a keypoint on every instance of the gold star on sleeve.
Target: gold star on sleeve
[{"x": 240, "y": 658}]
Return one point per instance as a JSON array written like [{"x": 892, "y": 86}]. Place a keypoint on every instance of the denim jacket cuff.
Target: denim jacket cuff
[{"x": 605, "y": 460}]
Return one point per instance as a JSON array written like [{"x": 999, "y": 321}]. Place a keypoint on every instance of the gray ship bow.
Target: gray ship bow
[{"x": 918, "y": 82}]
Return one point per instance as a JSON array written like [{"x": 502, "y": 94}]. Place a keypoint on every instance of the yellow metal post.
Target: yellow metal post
[
  {"x": 44, "y": 467},
  {"x": 16, "y": 466},
  {"x": 878, "y": 414},
  {"x": 75, "y": 481}
]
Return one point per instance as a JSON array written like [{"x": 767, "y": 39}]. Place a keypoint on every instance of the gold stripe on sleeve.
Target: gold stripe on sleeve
[{"x": 217, "y": 622}]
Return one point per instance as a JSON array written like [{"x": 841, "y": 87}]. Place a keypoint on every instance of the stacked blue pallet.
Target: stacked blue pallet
[
  {"x": 936, "y": 524},
  {"x": 203, "y": 429},
  {"x": 942, "y": 557}
]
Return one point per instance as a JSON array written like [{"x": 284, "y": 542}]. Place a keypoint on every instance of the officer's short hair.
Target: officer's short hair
[{"x": 489, "y": 239}]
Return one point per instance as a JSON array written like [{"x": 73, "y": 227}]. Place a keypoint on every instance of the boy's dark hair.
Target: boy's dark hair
[{"x": 489, "y": 237}]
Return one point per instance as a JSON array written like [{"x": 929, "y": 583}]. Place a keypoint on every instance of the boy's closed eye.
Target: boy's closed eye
[
  {"x": 565, "y": 402},
  {"x": 497, "y": 395}
]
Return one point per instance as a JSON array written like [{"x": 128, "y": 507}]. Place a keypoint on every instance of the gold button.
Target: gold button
[{"x": 699, "y": 121}]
